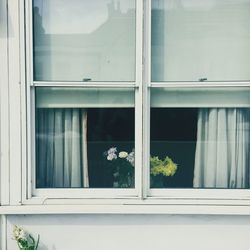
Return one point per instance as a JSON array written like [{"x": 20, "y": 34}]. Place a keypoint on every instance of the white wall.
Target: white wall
[{"x": 135, "y": 232}]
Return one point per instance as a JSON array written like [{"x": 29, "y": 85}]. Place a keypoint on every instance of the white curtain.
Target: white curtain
[
  {"x": 222, "y": 157},
  {"x": 61, "y": 156}
]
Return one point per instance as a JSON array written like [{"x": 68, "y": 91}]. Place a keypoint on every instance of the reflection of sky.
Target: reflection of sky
[
  {"x": 76, "y": 16},
  {"x": 194, "y": 4}
]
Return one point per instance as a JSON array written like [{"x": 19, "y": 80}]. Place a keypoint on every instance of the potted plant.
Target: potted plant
[
  {"x": 160, "y": 169},
  {"x": 24, "y": 240},
  {"x": 121, "y": 164}
]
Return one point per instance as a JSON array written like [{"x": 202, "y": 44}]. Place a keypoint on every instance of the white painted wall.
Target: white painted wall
[{"x": 135, "y": 232}]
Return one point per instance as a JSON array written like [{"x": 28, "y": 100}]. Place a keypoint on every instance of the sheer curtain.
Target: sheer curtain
[
  {"x": 222, "y": 152},
  {"x": 61, "y": 148}
]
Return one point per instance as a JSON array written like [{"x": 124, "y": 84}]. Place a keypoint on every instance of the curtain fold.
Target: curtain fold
[
  {"x": 61, "y": 148},
  {"x": 222, "y": 150}
]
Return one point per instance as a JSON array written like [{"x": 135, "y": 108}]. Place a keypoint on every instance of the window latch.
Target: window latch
[
  {"x": 202, "y": 79},
  {"x": 86, "y": 79}
]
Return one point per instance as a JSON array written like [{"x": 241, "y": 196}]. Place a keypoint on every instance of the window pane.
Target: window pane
[
  {"x": 201, "y": 97},
  {"x": 84, "y": 40},
  {"x": 200, "y": 147},
  {"x": 84, "y": 146},
  {"x": 200, "y": 40}
]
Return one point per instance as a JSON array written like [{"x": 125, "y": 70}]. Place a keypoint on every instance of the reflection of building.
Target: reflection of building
[
  {"x": 208, "y": 37},
  {"x": 107, "y": 54}
]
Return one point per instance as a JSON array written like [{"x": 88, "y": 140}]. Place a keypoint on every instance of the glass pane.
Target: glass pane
[
  {"x": 201, "y": 97},
  {"x": 84, "y": 146},
  {"x": 82, "y": 40},
  {"x": 200, "y": 147},
  {"x": 200, "y": 40}
]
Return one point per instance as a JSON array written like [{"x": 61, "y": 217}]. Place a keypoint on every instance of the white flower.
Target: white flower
[
  {"x": 131, "y": 158},
  {"x": 111, "y": 157},
  {"x": 112, "y": 150},
  {"x": 23, "y": 234},
  {"x": 18, "y": 233},
  {"x": 123, "y": 154},
  {"x": 111, "y": 154}
]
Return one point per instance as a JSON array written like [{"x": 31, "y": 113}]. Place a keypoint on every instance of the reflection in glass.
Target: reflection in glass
[
  {"x": 84, "y": 40},
  {"x": 200, "y": 40},
  {"x": 84, "y": 147},
  {"x": 208, "y": 147}
]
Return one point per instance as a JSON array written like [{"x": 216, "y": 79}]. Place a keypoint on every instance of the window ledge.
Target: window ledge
[{"x": 128, "y": 209}]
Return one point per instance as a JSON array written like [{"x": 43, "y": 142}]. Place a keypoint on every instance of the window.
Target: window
[
  {"x": 85, "y": 89},
  {"x": 84, "y": 138},
  {"x": 209, "y": 141},
  {"x": 199, "y": 116},
  {"x": 122, "y": 110},
  {"x": 200, "y": 41},
  {"x": 88, "y": 38}
]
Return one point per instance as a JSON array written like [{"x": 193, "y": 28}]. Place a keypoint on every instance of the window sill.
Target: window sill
[{"x": 173, "y": 209}]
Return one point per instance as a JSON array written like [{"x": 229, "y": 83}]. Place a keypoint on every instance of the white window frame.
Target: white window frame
[
  {"x": 214, "y": 195},
  {"x": 16, "y": 181},
  {"x": 39, "y": 195},
  {"x": 4, "y": 106}
]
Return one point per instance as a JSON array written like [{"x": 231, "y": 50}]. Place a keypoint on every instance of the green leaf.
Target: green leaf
[
  {"x": 32, "y": 239},
  {"x": 38, "y": 239}
]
